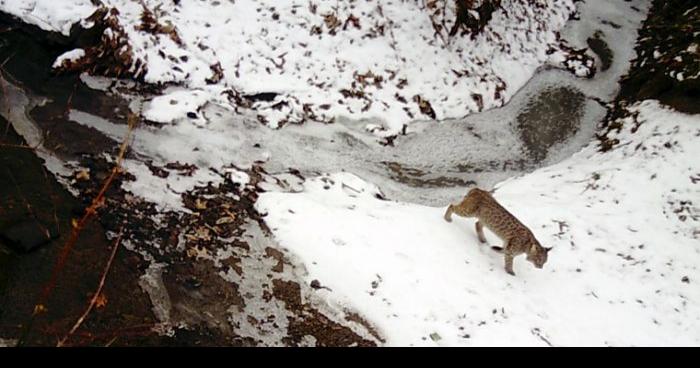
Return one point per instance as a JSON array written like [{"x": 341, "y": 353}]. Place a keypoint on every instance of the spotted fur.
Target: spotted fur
[{"x": 517, "y": 238}]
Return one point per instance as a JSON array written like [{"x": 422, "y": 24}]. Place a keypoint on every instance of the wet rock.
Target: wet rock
[
  {"x": 263, "y": 96},
  {"x": 600, "y": 47},
  {"x": 28, "y": 235},
  {"x": 550, "y": 118}
]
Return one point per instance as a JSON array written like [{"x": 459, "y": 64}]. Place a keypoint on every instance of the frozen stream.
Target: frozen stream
[{"x": 553, "y": 116}]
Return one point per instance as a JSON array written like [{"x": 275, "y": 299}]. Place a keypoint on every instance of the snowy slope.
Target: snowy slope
[
  {"x": 624, "y": 269},
  {"x": 369, "y": 59},
  {"x": 49, "y": 15}
]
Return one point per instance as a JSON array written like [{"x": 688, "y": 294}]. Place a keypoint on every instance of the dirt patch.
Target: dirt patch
[
  {"x": 310, "y": 322},
  {"x": 418, "y": 178},
  {"x": 354, "y": 317},
  {"x": 278, "y": 256},
  {"x": 494, "y": 165},
  {"x": 27, "y": 191}
]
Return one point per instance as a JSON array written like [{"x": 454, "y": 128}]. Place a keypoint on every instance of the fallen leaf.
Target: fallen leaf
[{"x": 101, "y": 301}]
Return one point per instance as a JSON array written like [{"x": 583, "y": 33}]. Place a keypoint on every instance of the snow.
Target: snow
[
  {"x": 622, "y": 224},
  {"x": 297, "y": 50},
  {"x": 49, "y": 15},
  {"x": 212, "y": 137},
  {"x": 69, "y": 57},
  {"x": 174, "y": 105}
]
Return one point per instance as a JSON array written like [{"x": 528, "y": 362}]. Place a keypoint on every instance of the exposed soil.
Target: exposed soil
[
  {"x": 29, "y": 193},
  {"x": 189, "y": 302}
]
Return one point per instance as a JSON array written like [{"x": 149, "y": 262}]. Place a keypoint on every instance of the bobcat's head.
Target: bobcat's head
[{"x": 538, "y": 255}]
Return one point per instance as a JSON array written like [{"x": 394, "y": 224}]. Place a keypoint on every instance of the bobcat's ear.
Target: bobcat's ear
[{"x": 547, "y": 249}]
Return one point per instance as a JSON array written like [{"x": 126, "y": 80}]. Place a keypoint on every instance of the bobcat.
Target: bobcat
[{"x": 517, "y": 237}]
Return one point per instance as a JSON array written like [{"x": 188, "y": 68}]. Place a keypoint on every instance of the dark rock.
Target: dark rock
[
  {"x": 601, "y": 48},
  {"x": 551, "y": 117},
  {"x": 263, "y": 96},
  {"x": 28, "y": 235}
]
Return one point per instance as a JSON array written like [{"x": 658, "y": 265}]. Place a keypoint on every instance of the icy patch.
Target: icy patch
[
  {"x": 14, "y": 107},
  {"x": 621, "y": 261},
  {"x": 188, "y": 155},
  {"x": 152, "y": 283}
]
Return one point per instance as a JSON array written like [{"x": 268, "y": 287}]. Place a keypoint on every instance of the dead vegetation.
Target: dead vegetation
[{"x": 90, "y": 212}]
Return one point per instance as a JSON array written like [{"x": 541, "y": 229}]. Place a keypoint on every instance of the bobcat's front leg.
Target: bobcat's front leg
[
  {"x": 509, "y": 264},
  {"x": 448, "y": 214},
  {"x": 480, "y": 231},
  {"x": 509, "y": 258}
]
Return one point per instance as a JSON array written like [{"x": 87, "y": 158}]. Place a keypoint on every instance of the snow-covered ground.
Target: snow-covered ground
[
  {"x": 318, "y": 60},
  {"x": 447, "y": 155},
  {"x": 50, "y": 15},
  {"x": 623, "y": 271},
  {"x": 623, "y": 224}
]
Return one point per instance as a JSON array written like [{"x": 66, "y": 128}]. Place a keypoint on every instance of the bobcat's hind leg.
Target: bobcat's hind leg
[
  {"x": 480, "y": 231},
  {"x": 448, "y": 213}
]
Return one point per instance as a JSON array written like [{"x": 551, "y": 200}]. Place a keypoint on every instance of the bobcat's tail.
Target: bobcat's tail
[{"x": 497, "y": 249}]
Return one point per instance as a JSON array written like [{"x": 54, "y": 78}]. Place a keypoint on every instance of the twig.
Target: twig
[
  {"x": 97, "y": 202},
  {"x": 95, "y": 296},
  {"x": 111, "y": 341},
  {"x": 19, "y": 192},
  {"x": 69, "y": 105},
  {"x": 10, "y": 145}
]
